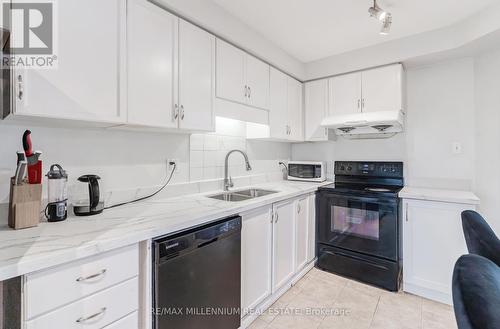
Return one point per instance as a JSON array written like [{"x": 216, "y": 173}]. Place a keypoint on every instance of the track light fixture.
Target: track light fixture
[{"x": 381, "y": 15}]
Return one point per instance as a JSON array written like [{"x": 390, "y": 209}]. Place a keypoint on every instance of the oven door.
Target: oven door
[{"x": 362, "y": 224}]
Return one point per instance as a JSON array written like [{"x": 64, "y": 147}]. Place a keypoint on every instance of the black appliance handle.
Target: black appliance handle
[
  {"x": 206, "y": 243},
  {"x": 341, "y": 254},
  {"x": 381, "y": 199},
  {"x": 94, "y": 192}
]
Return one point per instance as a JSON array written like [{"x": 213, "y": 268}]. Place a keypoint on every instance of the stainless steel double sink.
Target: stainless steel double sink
[{"x": 235, "y": 196}]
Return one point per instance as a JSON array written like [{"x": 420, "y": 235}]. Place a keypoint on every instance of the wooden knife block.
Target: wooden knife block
[{"x": 24, "y": 205}]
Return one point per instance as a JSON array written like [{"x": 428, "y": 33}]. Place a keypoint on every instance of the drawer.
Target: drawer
[
  {"x": 50, "y": 289},
  {"x": 93, "y": 312},
  {"x": 131, "y": 321}
]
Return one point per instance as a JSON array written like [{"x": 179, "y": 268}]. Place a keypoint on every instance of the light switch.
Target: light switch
[{"x": 456, "y": 148}]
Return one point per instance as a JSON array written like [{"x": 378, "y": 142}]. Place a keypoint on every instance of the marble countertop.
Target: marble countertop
[
  {"x": 442, "y": 195},
  {"x": 51, "y": 244}
]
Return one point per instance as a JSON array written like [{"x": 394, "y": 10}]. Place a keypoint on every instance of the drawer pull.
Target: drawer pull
[
  {"x": 90, "y": 277},
  {"x": 93, "y": 316}
]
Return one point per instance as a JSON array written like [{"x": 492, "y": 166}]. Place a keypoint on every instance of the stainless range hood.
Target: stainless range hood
[{"x": 381, "y": 124}]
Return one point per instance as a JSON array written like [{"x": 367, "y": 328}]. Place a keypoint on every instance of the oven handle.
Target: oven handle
[
  {"x": 362, "y": 199},
  {"x": 336, "y": 253}
]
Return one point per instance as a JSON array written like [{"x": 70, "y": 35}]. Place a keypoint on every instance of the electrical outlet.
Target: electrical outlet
[
  {"x": 456, "y": 148},
  {"x": 170, "y": 165}
]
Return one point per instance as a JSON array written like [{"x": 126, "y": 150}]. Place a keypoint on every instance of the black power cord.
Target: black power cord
[{"x": 148, "y": 196}]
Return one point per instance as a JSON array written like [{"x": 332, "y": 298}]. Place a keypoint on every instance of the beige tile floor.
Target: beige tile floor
[{"x": 323, "y": 300}]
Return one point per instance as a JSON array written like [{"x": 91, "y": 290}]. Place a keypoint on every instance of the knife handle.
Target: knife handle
[
  {"x": 35, "y": 173},
  {"x": 27, "y": 146}
]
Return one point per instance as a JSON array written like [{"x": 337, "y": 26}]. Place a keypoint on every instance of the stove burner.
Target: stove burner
[{"x": 376, "y": 189}]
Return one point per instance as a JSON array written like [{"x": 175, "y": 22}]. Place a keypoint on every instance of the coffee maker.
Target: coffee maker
[{"x": 93, "y": 205}]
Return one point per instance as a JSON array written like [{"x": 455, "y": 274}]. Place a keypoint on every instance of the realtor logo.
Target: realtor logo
[{"x": 31, "y": 26}]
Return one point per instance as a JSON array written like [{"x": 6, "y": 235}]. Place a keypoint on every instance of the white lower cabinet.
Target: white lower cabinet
[
  {"x": 277, "y": 246},
  {"x": 283, "y": 243},
  {"x": 432, "y": 242},
  {"x": 128, "y": 322},
  {"x": 256, "y": 257},
  {"x": 93, "y": 293},
  {"x": 311, "y": 230},
  {"x": 301, "y": 232}
]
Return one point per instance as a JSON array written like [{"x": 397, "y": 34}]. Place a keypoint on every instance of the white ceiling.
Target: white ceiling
[{"x": 313, "y": 29}]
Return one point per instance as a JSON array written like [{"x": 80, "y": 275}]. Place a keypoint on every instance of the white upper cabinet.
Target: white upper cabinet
[
  {"x": 295, "y": 113},
  {"x": 257, "y": 82},
  {"x": 196, "y": 78},
  {"x": 286, "y": 110},
  {"x": 345, "y": 94},
  {"x": 152, "y": 34},
  {"x": 278, "y": 113},
  {"x": 374, "y": 90},
  {"x": 87, "y": 84},
  {"x": 316, "y": 109},
  {"x": 231, "y": 80},
  {"x": 241, "y": 77},
  {"x": 171, "y": 70},
  {"x": 382, "y": 89}
]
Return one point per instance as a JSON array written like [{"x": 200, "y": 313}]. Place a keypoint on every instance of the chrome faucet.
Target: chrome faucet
[{"x": 228, "y": 182}]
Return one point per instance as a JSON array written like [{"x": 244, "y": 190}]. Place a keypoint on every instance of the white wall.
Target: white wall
[
  {"x": 487, "y": 156},
  {"x": 440, "y": 113}
]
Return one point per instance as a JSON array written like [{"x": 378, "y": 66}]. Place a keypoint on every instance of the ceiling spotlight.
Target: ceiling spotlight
[{"x": 381, "y": 15}]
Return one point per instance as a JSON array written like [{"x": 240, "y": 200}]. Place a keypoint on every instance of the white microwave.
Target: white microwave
[{"x": 308, "y": 171}]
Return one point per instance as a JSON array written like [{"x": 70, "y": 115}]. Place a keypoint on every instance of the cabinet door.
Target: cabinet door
[
  {"x": 428, "y": 258},
  {"x": 382, "y": 89},
  {"x": 311, "y": 230},
  {"x": 230, "y": 78},
  {"x": 345, "y": 94},
  {"x": 301, "y": 232},
  {"x": 295, "y": 113},
  {"x": 152, "y": 34},
  {"x": 278, "y": 112},
  {"x": 196, "y": 77},
  {"x": 256, "y": 253},
  {"x": 316, "y": 109},
  {"x": 257, "y": 73},
  {"x": 283, "y": 243},
  {"x": 88, "y": 83}
]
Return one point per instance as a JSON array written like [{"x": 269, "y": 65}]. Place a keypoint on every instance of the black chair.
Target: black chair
[
  {"x": 476, "y": 293},
  {"x": 480, "y": 238}
]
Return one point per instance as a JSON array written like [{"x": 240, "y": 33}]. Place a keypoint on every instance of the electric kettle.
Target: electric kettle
[{"x": 93, "y": 205}]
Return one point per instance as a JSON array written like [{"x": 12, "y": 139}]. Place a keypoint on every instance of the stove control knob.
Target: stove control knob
[
  {"x": 342, "y": 168},
  {"x": 393, "y": 170},
  {"x": 349, "y": 168}
]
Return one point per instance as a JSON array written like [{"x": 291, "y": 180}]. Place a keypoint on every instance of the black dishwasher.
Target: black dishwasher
[{"x": 197, "y": 277}]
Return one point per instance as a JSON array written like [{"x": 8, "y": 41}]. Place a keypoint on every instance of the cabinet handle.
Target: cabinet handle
[
  {"x": 362, "y": 103},
  {"x": 406, "y": 212},
  {"x": 176, "y": 112},
  {"x": 359, "y": 104},
  {"x": 249, "y": 92},
  {"x": 20, "y": 87},
  {"x": 326, "y": 131},
  {"x": 90, "y": 277},
  {"x": 93, "y": 316},
  {"x": 276, "y": 217},
  {"x": 182, "y": 112},
  {"x": 246, "y": 91},
  {"x": 298, "y": 208}
]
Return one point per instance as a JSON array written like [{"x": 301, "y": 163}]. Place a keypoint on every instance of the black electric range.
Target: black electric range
[{"x": 359, "y": 223}]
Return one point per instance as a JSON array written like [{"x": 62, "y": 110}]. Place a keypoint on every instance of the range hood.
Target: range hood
[{"x": 382, "y": 124}]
